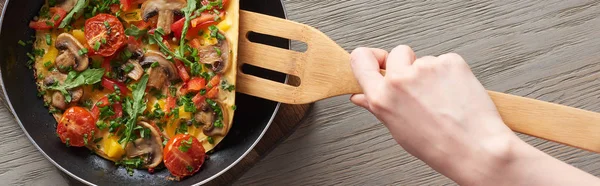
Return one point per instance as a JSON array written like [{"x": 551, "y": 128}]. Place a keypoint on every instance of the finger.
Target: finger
[
  {"x": 381, "y": 55},
  {"x": 400, "y": 57},
  {"x": 360, "y": 100},
  {"x": 425, "y": 59},
  {"x": 366, "y": 69}
]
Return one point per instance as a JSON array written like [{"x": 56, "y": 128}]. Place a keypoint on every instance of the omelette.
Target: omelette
[{"x": 147, "y": 84}]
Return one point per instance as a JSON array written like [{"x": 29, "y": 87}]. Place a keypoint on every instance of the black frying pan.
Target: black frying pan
[{"x": 252, "y": 118}]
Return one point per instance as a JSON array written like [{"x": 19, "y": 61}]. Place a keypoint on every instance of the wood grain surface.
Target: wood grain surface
[{"x": 542, "y": 49}]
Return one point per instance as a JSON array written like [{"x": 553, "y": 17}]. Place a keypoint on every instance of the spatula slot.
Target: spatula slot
[
  {"x": 267, "y": 74},
  {"x": 266, "y": 39}
]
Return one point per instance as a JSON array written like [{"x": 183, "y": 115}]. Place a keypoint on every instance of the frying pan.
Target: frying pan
[{"x": 253, "y": 116}]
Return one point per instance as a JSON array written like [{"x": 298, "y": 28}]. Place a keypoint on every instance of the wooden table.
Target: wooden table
[{"x": 543, "y": 49}]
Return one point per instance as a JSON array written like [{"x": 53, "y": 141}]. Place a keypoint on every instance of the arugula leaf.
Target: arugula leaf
[
  {"x": 135, "y": 32},
  {"x": 191, "y": 6},
  {"x": 157, "y": 38},
  {"x": 78, "y": 8},
  {"x": 135, "y": 107},
  {"x": 87, "y": 77}
]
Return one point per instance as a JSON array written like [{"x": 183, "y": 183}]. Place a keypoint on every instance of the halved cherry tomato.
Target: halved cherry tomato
[
  {"x": 56, "y": 16},
  {"x": 183, "y": 74},
  {"x": 106, "y": 30},
  {"x": 194, "y": 85},
  {"x": 110, "y": 85},
  {"x": 76, "y": 126},
  {"x": 104, "y": 102},
  {"x": 196, "y": 25},
  {"x": 183, "y": 158}
]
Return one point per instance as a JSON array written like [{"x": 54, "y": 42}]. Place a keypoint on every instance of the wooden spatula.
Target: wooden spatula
[{"x": 324, "y": 71}]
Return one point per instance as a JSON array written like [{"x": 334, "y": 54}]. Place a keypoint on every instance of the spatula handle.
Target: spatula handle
[{"x": 567, "y": 125}]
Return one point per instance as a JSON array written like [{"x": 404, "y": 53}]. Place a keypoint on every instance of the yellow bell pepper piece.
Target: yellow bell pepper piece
[
  {"x": 224, "y": 25},
  {"x": 132, "y": 15},
  {"x": 112, "y": 148},
  {"x": 80, "y": 36}
]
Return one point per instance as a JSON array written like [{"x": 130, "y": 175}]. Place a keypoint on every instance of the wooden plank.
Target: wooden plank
[
  {"x": 546, "y": 50},
  {"x": 543, "y": 49}
]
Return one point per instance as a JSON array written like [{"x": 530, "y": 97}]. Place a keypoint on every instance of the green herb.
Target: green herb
[
  {"x": 234, "y": 107},
  {"x": 202, "y": 92},
  {"x": 101, "y": 125},
  {"x": 98, "y": 139},
  {"x": 227, "y": 86},
  {"x": 76, "y": 9},
  {"x": 85, "y": 139},
  {"x": 189, "y": 168},
  {"x": 156, "y": 38},
  {"x": 135, "y": 32},
  {"x": 210, "y": 140},
  {"x": 185, "y": 145},
  {"x": 187, "y": 11},
  {"x": 218, "y": 51},
  {"x": 87, "y": 77},
  {"x": 135, "y": 107},
  {"x": 83, "y": 51},
  {"x": 155, "y": 64},
  {"x": 48, "y": 64},
  {"x": 51, "y": 2},
  {"x": 128, "y": 67},
  {"x": 87, "y": 104},
  {"x": 68, "y": 142},
  {"x": 106, "y": 112},
  {"x": 131, "y": 164},
  {"x": 48, "y": 39},
  {"x": 183, "y": 128},
  {"x": 97, "y": 45},
  {"x": 50, "y": 23},
  {"x": 22, "y": 43},
  {"x": 103, "y": 40},
  {"x": 214, "y": 33}
]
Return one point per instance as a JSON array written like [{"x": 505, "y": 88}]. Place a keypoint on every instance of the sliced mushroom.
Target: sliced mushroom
[
  {"x": 69, "y": 56},
  {"x": 137, "y": 71},
  {"x": 149, "y": 147},
  {"x": 165, "y": 9},
  {"x": 59, "y": 100},
  {"x": 163, "y": 73},
  {"x": 209, "y": 117},
  {"x": 216, "y": 55},
  {"x": 66, "y": 5}
]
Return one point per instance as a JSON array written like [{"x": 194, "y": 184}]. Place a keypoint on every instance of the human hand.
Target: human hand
[{"x": 434, "y": 107}]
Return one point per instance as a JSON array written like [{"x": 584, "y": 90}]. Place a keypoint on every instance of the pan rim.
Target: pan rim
[{"x": 18, "y": 120}]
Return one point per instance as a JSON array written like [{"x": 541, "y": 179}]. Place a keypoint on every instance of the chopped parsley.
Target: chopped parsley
[{"x": 185, "y": 145}]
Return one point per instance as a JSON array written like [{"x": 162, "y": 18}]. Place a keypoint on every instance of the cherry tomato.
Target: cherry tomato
[
  {"x": 183, "y": 158},
  {"x": 104, "y": 102},
  {"x": 56, "y": 16},
  {"x": 182, "y": 71},
  {"x": 106, "y": 30},
  {"x": 110, "y": 85},
  {"x": 76, "y": 126}
]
